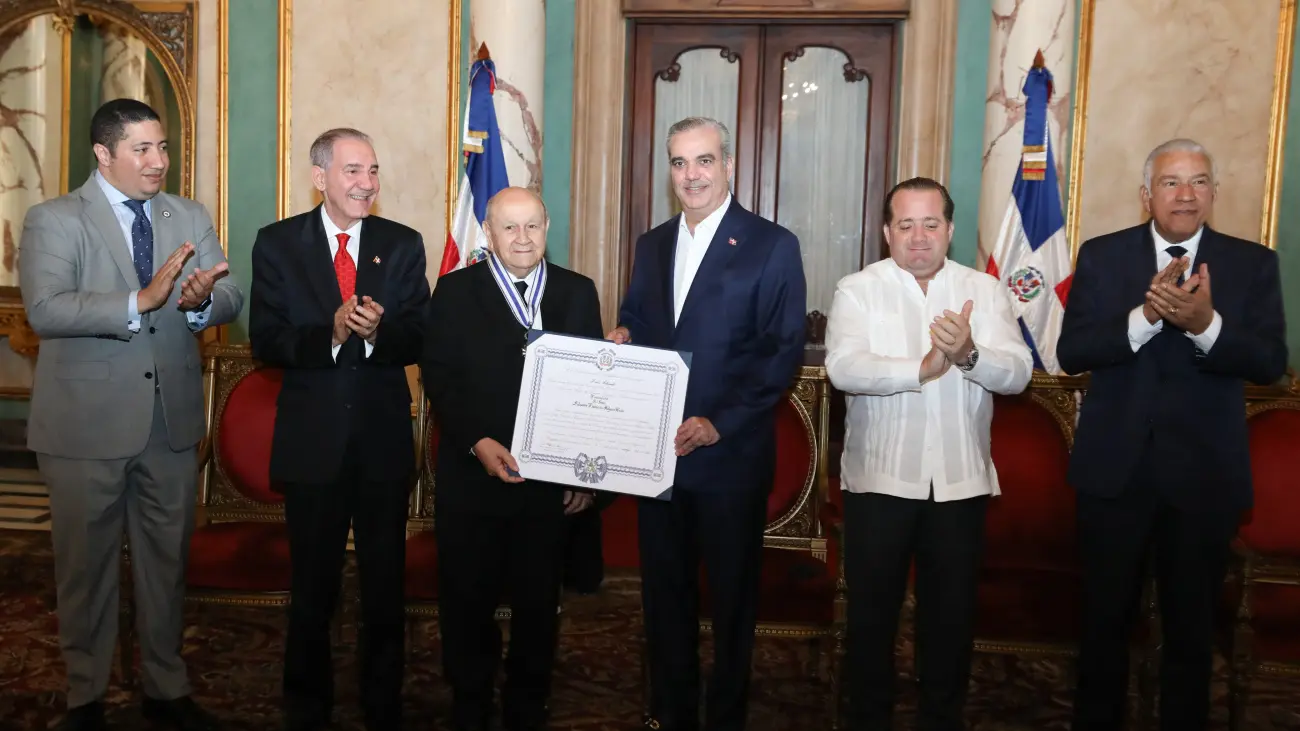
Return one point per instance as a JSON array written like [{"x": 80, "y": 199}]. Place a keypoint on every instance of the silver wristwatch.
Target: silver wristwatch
[{"x": 971, "y": 360}]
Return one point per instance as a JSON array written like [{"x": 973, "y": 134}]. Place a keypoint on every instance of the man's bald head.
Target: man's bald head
[
  {"x": 516, "y": 194},
  {"x": 516, "y": 225}
]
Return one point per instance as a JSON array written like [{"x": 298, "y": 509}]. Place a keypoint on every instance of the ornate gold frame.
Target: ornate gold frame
[
  {"x": 223, "y": 125},
  {"x": 1276, "y": 131},
  {"x": 1277, "y": 123},
  {"x": 1079, "y": 127},
  {"x": 454, "y": 42},
  {"x": 284, "y": 106},
  {"x": 170, "y": 29}
]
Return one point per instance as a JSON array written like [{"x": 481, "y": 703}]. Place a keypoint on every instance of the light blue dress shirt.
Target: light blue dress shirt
[{"x": 198, "y": 319}]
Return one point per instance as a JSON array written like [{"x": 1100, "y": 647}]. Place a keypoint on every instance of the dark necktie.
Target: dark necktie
[
  {"x": 141, "y": 242},
  {"x": 522, "y": 287},
  {"x": 1178, "y": 252}
]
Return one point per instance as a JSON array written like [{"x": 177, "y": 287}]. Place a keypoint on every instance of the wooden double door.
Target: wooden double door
[{"x": 809, "y": 107}]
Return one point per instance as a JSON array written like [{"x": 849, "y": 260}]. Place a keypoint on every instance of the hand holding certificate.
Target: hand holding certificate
[{"x": 596, "y": 415}]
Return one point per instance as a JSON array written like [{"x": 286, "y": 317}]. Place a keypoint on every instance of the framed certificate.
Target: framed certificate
[{"x": 596, "y": 415}]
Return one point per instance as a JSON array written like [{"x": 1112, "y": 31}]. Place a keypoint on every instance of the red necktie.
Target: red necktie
[{"x": 345, "y": 269}]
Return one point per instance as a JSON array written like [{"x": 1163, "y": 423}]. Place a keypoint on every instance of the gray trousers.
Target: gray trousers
[{"x": 154, "y": 494}]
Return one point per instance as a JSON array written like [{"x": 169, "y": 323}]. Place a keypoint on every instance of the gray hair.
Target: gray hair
[
  {"x": 322, "y": 150},
  {"x": 1181, "y": 144},
  {"x": 691, "y": 123}
]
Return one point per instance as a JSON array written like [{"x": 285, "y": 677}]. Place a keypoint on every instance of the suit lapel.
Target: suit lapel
[
  {"x": 105, "y": 222},
  {"x": 1207, "y": 252},
  {"x": 370, "y": 261},
  {"x": 315, "y": 256},
  {"x": 727, "y": 240},
  {"x": 1145, "y": 257},
  {"x": 554, "y": 306},
  {"x": 668, "y": 267},
  {"x": 164, "y": 239}
]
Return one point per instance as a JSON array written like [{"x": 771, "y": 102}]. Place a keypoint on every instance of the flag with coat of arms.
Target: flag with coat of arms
[
  {"x": 1031, "y": 256},
  {"x": 485, "y": 170}
]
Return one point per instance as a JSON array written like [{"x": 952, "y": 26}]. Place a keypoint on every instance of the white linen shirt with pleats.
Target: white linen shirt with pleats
[{"x": 900, "y": 436}]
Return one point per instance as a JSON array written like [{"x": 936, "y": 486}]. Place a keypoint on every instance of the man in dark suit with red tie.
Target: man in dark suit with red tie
[
  {"x": 1161, "y": 459},
  {"x": 337, "y": 301},
  {"x": 726, "y": 286}
]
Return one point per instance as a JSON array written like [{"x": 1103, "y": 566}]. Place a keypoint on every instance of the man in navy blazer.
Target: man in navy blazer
[
  {"x": 726, "y": 286},
  {"x": 1161, "y": 458}
]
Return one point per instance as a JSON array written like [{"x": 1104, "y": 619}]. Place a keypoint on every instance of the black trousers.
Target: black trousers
[
  {"x": 486, "y": 560},
  {"x": 882, "y": 536},
  {"x": 584, "y": 561},
  {"x": 318, "y": 517},
  {"x": 725, "y": 529},
  {"x": 1191, "y": 553}
]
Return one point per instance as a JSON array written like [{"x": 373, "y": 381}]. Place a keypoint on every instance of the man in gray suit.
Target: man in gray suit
[{"x": 117, "y": 402}]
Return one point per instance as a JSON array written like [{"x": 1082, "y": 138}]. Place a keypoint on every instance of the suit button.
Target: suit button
[
  {"x": 354, "y": 368},
  {"x": 153, "y": 330},
  {"x": 148, "y": 375},
  {"x": 347, "y": 406}
]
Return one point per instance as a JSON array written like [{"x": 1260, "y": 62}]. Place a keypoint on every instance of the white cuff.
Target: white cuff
[
  {"x": 1139, "y": 330},
  {"x": 1206, "y": 340}
]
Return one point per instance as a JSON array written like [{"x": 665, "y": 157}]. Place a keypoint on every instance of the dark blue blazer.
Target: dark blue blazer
[
  {"x": 1180, "y": 410},
  {"x": 742, "y": 322}
]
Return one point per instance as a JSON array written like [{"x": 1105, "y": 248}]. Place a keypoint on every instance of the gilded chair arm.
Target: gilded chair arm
[
  {"x": 833, "y": 519},
  {"x": 205, "y": 451}
]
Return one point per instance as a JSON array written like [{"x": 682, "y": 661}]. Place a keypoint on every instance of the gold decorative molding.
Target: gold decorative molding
[
  {"x": 1277, "y": 123},
  {"x": 1079, "y": 128},
  {"x": 454, "y": 41},
  {"x": 167, "y": 28},
  {"x": 283, "y": 131},
  {"x": 64, "y": 27},
  {"x": 223, "y": 123},
  {"x": 1276, "y": 133},
  {"x": 13, "y": 323}
]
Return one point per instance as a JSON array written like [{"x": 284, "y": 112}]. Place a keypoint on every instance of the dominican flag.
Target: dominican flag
[
  {"x": 1032, "y": 256},
  {"x": 485, "y": 172}
]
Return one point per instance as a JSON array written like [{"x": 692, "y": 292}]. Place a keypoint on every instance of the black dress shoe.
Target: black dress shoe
[
  {"x": 89, "y": 717},
  {"x": 180, "y": 714}
]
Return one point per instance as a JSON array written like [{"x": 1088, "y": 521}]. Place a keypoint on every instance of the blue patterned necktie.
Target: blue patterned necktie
[{"x": 141, "y": 242}]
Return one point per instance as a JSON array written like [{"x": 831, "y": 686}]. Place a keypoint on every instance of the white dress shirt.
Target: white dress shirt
[
  {"x": 903, "y": 438},
  {"x": 197, "y": 319},
  {"x": 354, "y": 250},
  {"x": 690, "y": 251},
  {"x": 1140, "y": 331}
]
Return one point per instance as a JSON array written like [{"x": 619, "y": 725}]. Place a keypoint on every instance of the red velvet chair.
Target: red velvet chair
[
  {"x": 802, "y": 593},
  {"x": 1264, "y": 603},
  {"x": 239, "y": 553},
  {"x": 1029, "y": 597}
]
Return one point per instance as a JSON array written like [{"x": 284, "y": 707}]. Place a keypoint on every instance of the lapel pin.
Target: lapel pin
[
  {"x": 731, "y": 241},
  {"x": 167, "y": 214},
  {"x": 376, "y": 260}
]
